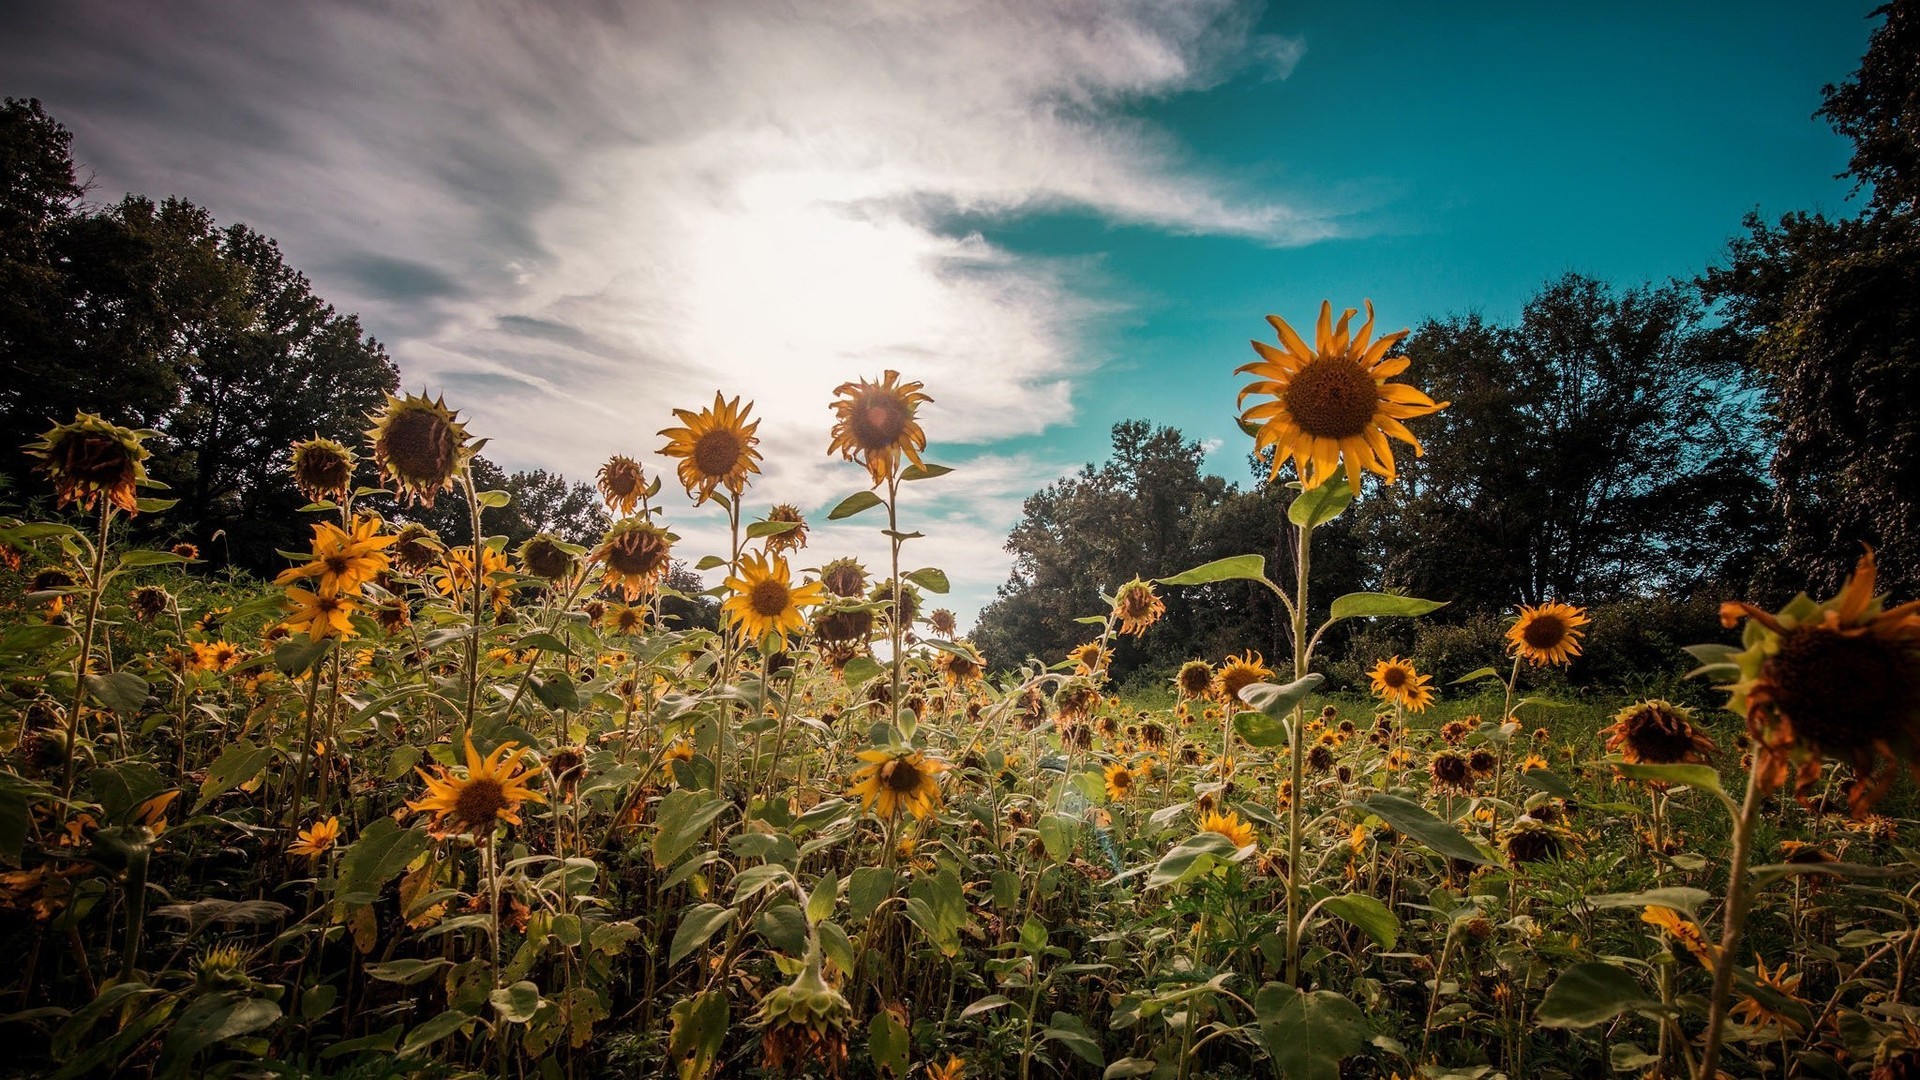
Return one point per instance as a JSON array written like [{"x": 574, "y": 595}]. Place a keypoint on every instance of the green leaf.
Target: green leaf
[
  {"x": 408, "y": 971},
  {"x": 382, "y": 852},
  {"x": 1071, "y": 1032},
  {"x": 1190, "y": 858},
  {"x": 212, "y": 1019},
  {"x": 932, "y": 579},
  {"x": 150, "y": 558},
  {"x": 925, "y": 471},
  {"x": 888, "y": 1042},
  {"x": 1367, "y": 913},
  {"x": 985, "y": 1004},
  {"x": 1259, "y": 729},
  {"x": 1677, "y": 897},
  {"x": 154, "y": 506},
  {"x": 1308, "y": 1034},
  {"x": 860, "y": 669},
  {"x": 516, "y": 1004},
  {"x": 123, "y": 691},
  {"x": 425, "y": 1035},
  {"x": 1277, "y": 701},
  {"x": 1232, "y": 568},
  {"x": 237, "y": 764},
  {"x": 770, "y": 528},
  {"x": 1322, "y": 504},
  {"x": 683, "y": 817},
  {"x": 296, "y": 655},
  {"x": 1413, "y": 820},
  {"x": 1548, "y": 781},
  {"x": 708, "y": 562},
  {"x": 545, "y": 642},
  {"x": 1477, "y": 674},
  {"x": 699, "y": 1032},
  {"x": 826, "y": 892},
  {"x": 867, "y": 889},
  {"x": 556, "y": 691},
  {"x": 700, "y": 923},
  {"x": 853, "y": 504},
  {"x": 493, "y": 500},
  {"x": 1057, "y": 833},
  {"x": 32, "y": 637},
  {"x": 1591, "y": 993},
  {"x": 1703, "y": 777},
  {"x": 1373, "y": 605}
]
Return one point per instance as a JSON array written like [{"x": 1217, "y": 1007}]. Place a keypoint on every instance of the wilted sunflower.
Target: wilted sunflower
[
  {"x": 1548, "y": 634},
  {"x": 343, "y": 560},
  {"x": 803, "y": 1023},
  {"x": 1230, "y": 826},
  {"x": 1451, "y": 770},
  {"x": 944, "y": 623},
  {"x": 1237, "y": 673},
  {"x": 321, "y": 615},
  {"x": 1137, "y": 607},
  {"x": 877, "y": 423},
  {"x": 1482, "y": 761},
  {"x": 791, "y": 540},
  {"x": 1120, "y": 781},
  {"x": 492, "y": 792},
  {"x": 1332, "y": 402},
  {"x": 90, "y": 458},
  {"x": 963, "y": 666},
  {"x": 149, "y": 602},
  {"x": 909, "y": 602},
  {"x": 637, "y": 554},
  {"x": 1089, "y": 657},
  {"x": 765, "y": 600},
  {"x": 1839, "y": 679},
  {"x": 844, "y": 578},
  {"x": 416, "y": 549},
  {"x": 323, "y": 469},
  {"x": 715, "y": 447},
  {"x": 1657, "y": 732},
  {"x": 1531, "y": 841},
  {"x": 622, "y": 484},
  {"x": 419, "y": 446},
  {"x": 318, "y": 840},
  {"x": 1396, "y": 680},
  {"x": 545, "y": 555},
  {"x": 896, "y": 780},
  {"x": 1194, "y": 679}
]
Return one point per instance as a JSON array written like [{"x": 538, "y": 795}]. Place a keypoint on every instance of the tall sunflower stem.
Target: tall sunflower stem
[
  {"x": 1296, "y": 820},
  {"x": 479, "y": 595},
  {"x": 1733, "y": 922},
  {"x": 94, "y": 590},
  {"x": 893, "y": 613}
]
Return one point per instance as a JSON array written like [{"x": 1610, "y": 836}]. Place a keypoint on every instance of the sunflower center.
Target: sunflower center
[
  {"x": 419, "y": 445},
  {"x": 95, "y": 459},
  {"x": 878, "y": 421},
  {"x": 480, "y": 801},
  {"x": 1394, "y": 678},
  {"x": 1333, "y": 397},
  {"x": 637, "y": 554},
  {"x": 769, "y": 599},
  {"x": 1659, "y": 738},
  {"x": 1840, "y": 690},
  {"x": 1121, "y": 779},
  {"x": 1544, "y": 631},
  {"x": 717, "y": 452},
  {"x": 902, "y": 776}
]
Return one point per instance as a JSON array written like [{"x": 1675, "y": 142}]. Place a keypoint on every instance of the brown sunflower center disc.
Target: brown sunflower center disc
[
  {"x": 902, "y": 776},
  {"x": 1394, "y": 678},
  {"x": 1122, "y": 779},
  {"x": 1544, "y": 631},
  {"x": 1840, "y": 690},
  {"x": 637, "y": 554},
  {"x": 419, "y": 445},
  {"x": 716, "y": 453},
  {"x": 1332, "y": 398},
  {"x": 95, "y": 459},
  {"x": 1658, "y": 737},
  {"x": 877, "y": 421},
  {"x": 480, "y": 801},
  {"x": 769, "y": 599}
]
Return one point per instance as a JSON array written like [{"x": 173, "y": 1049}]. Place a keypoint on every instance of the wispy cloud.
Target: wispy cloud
[{"x": 573, "y": 217}]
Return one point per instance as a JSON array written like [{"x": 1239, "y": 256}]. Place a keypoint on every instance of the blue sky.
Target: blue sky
[{"x": 571, "y": 219}]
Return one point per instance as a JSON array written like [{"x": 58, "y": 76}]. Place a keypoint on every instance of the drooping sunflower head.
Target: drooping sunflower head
[
  {"x": 323, "y": 469},
  {"x": 1482, "y": 761},
  {"x": 492, "y": 792},
  {"x": 1194, "y": 679},
  {"x": 419, "y": 446},
  {"x": 416, "y": 548},
  {"x": 1137, "y": 607},
  {"x": 963, "y": 666},
  {"x": 765, "y": 601},
  {"x": 1547, "y": 634},
  {"x": 90, "y": 458},
  {"x": 895, "y": 780},
  {"x": 1089, "y": 657},
  {"x": 149, "y": 602},
  {"x": 636, "y": 554},
  {"x": 944, "y": 623},
  {"x": 877, "y": 422},
  {"x": 545, "y": 555},
  {"x": 1076, "y": 699},
  {"x": 844, "y": 578},
  {"x": 909, "y": 612},
  {"x": 1237, "y": 673},
  {"x": 1230, "y": 826},
  {"x": 794, "y": 538},
  {"x": 1837, "y": 679},
  {"x": 1451, "y": 771},
  {"x": 1530, "y": 841},
  {"x": 716, "y": 448},
  {"x": 622, "y": 484},
  {"x": 1396, "y": 680},
  {"x": 1332, "y": 402},
  {"x": 1657, "y": 732},
  {"x": 803, "y": 1024}
]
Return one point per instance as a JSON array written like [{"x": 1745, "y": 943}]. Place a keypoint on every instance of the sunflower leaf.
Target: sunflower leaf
[
  {"x": 1232, "y": 568},
  {"x": 924, "y": 472},
  {"x": 1277, "y": 701},
  {"x": 770, "y": 528},
  {"x": 1591, "y": 993},
  {"x": 931, "y": 578},
  {"x": 1371, "y": 605},
  {"x": 1322, "y": 504},
  {"x": 853, "y": 504},
  {"x": 1413, "y": 820},
  {"x": 1476, "y": 675}
]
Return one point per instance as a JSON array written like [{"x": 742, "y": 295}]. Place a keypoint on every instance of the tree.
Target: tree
[
  {"x": 1879, "y": 109},
  {"x": 1602, "y": 447}
]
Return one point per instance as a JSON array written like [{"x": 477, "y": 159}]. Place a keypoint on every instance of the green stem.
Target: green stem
[
  {"x": 1295, "y": 818},
  {"x": 94, "y": 589},
  {"x": 1732, "y": 923},
  {"x": 893, "y": 613},
  {"x": 479, "y": 597}
]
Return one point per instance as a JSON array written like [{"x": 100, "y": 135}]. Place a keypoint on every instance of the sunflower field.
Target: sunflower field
[{"x": 416, "y": 809}]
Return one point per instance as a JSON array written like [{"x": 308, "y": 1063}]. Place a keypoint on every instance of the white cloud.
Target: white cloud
[{"x": 572, "y": 218}]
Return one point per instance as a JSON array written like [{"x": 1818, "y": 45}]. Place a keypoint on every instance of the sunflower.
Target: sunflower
[
  {"x": 637, "y": 554},
  {"x": 1230, "y": 826},
  {"x": 454, "y": 579},
  {"x": 1089, "y": 657},
  {"x": 419, "y": 446},
  {"x": 318, "y": 840},
  {"x": 1782, "y": 988},
  {"x": 323, "y": 469},
  {"x": 963, "y": 666},
  {"x": 1332, "y": 402},
  {"x": 1120, "y": 781},
  {"x": 416, "y": 548},
  {"x": 765, "y": 600},
  {"x": 492, "y": 791},
  {"x": 715, "y": 447},
  {"x": 1137, "y": 607},
  {"x": 625, "y": 620},
  {"x": 944, "y": 623},
  {"x": 1237, "y": 673},
  {"x": 1193, "y": 680},
  {"x": 343, "y": 560},
  {"x": 148, "y": 602},
  {"x": 954, "y": 1069},
  {"x": 545, "y": 555},
  {"x": 896, "y": 780},
  {"x": 1657, "y": 732},
  {"x": 1684, "y": 931},
  {"x": 803, "y": 1024},
  {"x": 910, "y": 599},
  {"x": 1548, "y": 634},
  {"x": 792, "y": 539},
  {"x": 1395, "y": 680},
  {"x": 622, "y": 484},
  {"x": 1451, "y": 770},
  {"x": 90, "y": 458},
  {"x": 877, "y": 423},
  {"x": 1839, "y": 679},
  {"x": 844, "y": 578},
  {"x": 321, "y": 615},
  {"x": 1531, "y": 841}
]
